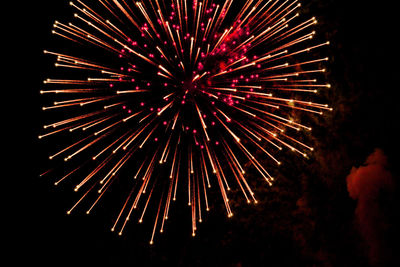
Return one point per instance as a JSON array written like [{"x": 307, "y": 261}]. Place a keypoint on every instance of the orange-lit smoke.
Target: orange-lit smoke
[{"x": 369, "y": 185}]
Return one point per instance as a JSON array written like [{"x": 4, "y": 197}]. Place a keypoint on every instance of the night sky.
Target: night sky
[{"x": 335, "y": 209}]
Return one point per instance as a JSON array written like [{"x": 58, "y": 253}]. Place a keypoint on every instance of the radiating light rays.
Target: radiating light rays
[{"x": 178, "y": 96}]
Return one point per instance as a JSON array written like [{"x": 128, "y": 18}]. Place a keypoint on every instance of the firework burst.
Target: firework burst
[{"x": 180, "y": 96}]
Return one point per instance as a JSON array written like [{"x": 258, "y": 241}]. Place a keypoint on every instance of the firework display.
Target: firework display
[{"x": 175, "y": 99}]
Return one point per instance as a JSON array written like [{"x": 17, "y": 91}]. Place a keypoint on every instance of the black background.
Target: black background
[{"x": 363, "y": 72}]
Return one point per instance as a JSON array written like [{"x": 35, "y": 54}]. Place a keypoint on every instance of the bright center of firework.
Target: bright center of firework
[{"x": 189, "y": 85}]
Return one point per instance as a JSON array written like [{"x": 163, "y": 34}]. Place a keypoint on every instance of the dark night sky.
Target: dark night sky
[{"x": 307, "y": 219}]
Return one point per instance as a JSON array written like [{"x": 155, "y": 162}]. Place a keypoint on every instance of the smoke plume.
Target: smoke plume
[{"x": 370, "y": 185}]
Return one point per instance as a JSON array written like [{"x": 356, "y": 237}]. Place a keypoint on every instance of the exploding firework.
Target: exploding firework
[{"x": 179, "y": 96}]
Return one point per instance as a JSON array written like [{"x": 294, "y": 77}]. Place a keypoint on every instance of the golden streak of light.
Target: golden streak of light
[
  {"x": 237, "y": 139},
  {"x": 80, "y": 200},
  {"x": 204, "y": 126},
  {"x": 156, "y": 221}
]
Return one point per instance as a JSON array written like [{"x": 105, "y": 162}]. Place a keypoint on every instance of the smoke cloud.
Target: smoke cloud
[{"x": 370, "y": 185}]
